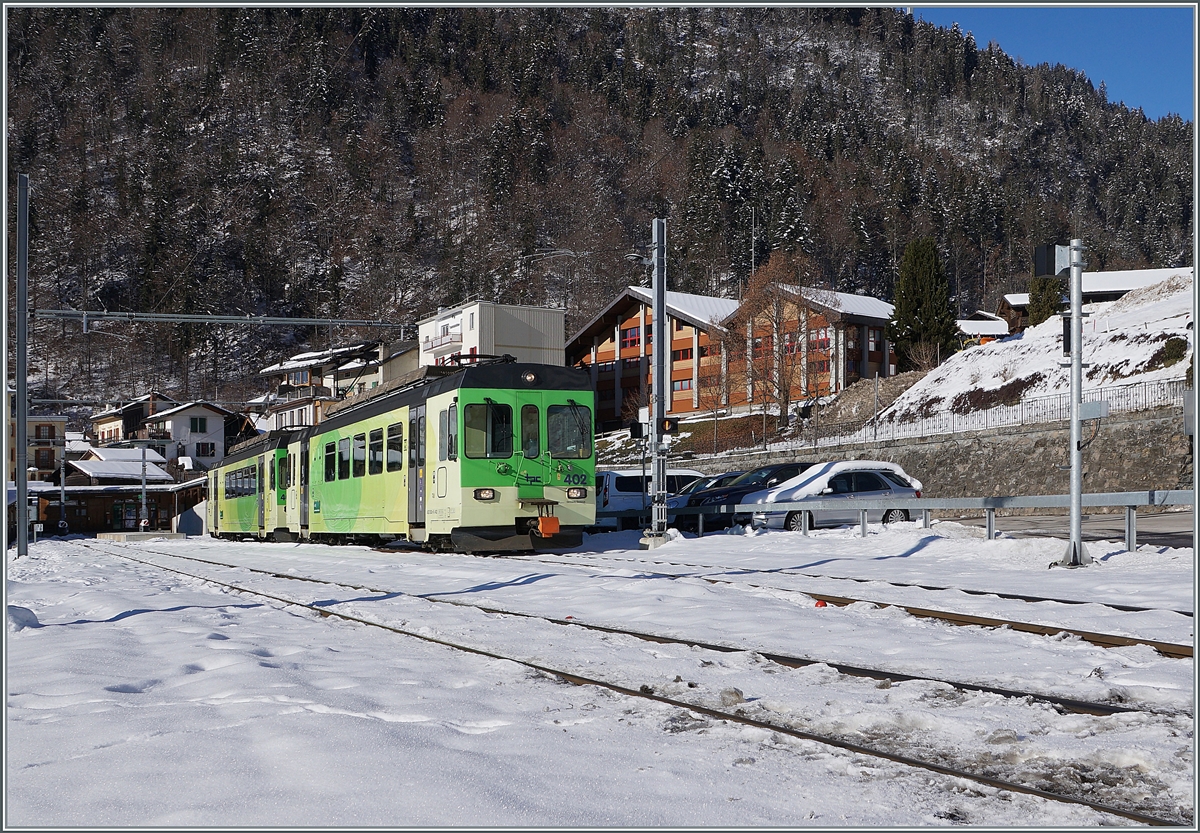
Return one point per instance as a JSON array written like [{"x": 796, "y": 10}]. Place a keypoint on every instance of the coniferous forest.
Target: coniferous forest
[{"x": 380, "y": 163}]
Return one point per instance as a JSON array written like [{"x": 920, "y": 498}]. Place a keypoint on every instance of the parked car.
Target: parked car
[
  {"x": 708, "y": 481},
  {"x": 625, "y": 489},
  {"x": 849, "y": 481},
  {"x": 734, "y": 491}
]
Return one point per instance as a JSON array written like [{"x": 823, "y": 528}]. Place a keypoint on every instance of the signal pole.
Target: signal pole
[
  {"x": 1076, "y": 554},
  {"x": 655, "y": 535}
]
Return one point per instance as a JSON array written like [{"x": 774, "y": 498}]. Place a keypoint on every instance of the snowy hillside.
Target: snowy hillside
[{"x": 1143, "y": 337}]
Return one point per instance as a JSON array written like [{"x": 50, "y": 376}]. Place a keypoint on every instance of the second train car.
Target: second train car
[{"x": 495, "y": 456}]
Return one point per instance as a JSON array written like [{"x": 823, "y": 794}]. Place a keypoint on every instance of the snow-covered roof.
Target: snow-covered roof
[
  {"x": 177, "y": 409},
  {"x": 843, "y": 302},
  {"x": 120, "y": 469},
  {"x": 304, "y": 361},
  {"x": 126, "y": 454},
  {"x": 983, "y": 327},
  {"x": 78, "y": 446},
  {"x": 1128, "y": 279},
  {"x": 700, "y": 310},
  {"x": 1017, "y": 299}
]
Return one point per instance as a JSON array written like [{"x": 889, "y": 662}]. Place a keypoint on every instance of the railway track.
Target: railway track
[
  {"x": 568, "y": 558},
  {"x": 1104, "y": 640},
  {"x": 646, "y": 692}
]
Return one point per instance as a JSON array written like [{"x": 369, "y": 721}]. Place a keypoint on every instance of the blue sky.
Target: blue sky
[{"x": 1143, "y": 54}]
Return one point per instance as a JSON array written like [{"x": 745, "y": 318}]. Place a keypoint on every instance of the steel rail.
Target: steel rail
[
  {"x": 1104, "y": 640},
  {"x": 791, "y": 572},
  {"x": 1065, "y": 703},
  {"x": 646, "y": 692}
]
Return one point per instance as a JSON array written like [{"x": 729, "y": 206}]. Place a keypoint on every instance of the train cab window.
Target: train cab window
[
  {"x": 569, "y": 430},
  {"x": 375, "y": 452},
  {"x": 343, "y": 463},
  {"x": 531, "y": 435},
  {"x": 489, "y": 430},
  {"x": 360, "y": 455},
  {"x": 272, "y": 480},
  {"x": 330, "y": 462},
  {"x": 395, "y": 446}
]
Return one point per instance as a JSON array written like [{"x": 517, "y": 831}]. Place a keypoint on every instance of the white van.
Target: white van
[{"x": 624, "y": 489}]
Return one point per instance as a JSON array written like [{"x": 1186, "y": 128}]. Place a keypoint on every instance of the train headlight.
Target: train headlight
[
  {"x": 577, "y": 493},
  {"x": 529, "y": 377},
  {"x": 485, "y": 494}
]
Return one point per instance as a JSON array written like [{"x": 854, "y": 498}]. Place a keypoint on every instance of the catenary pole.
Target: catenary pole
[{"x": 21, "y": 405}]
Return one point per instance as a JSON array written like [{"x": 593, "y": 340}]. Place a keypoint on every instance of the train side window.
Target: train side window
[
  {"x": 488, "y": 428},
  {"x": 412, "y": 443},
  {"x": 360, "y": 455},
  {"x": 531, "y": 435},
  {"x": 443, "y": 440},
  {"x": 330, "y": 462},
  {"x": 421, "y": 440},
  {"x": 272, "y": 478},
  {"x": 452, "y": 433},
  {"x": 375, "y": 452},
  {"x": 395, "y": 446},
  {"x": 343, "y": 468}
]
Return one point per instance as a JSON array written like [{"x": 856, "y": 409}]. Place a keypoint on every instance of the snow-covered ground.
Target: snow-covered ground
[
  {"x": 1122, "y": 341},
  {"x": 141, "y": 697}
]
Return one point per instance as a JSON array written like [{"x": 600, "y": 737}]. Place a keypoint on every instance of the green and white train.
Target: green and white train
[{"x": 496, "y": 456}]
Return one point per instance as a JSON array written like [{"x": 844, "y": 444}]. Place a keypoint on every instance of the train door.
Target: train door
[
  {"x": 416, "y": 466},
  {"x": 262, "y": 498},
  {"x": 304, "y": 465}
]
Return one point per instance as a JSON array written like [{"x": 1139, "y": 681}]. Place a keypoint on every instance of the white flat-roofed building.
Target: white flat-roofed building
[{"x": 531, "y": 334}]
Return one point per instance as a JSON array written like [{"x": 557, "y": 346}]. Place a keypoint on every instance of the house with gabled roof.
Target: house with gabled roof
[
  {"x": 836, "y": 337},
  {"x": 194, "y": 430},
  {"x": 118, "y": 423}
]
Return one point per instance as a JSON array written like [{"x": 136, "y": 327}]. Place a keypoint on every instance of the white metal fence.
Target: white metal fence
[{"x": 1034, "y": 410}]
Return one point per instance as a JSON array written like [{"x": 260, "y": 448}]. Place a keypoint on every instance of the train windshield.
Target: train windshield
[
  {"x": 488, "y": 430},
  {"x": 570, "y": 430}
]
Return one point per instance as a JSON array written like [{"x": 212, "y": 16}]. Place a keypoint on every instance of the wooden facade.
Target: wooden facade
[{"x": 816, "y": 346}]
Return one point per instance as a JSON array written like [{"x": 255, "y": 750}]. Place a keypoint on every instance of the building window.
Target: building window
[
  {"x": 607, "y": 394},
  {"x": 681, "y": 384},
  {"x": 679, "y": 325},
  {"x": 819, "y": 367},
  {"x": 762, "y": 345},
  {"x": 874, "y": 338},
  {"x": 298, "y": 377},
  {"x": 43, "y": 432},
  {"x": 682, "y": 355},
  {"x": 45, "y": 458},
  {"x": 206, "y": 449},
  {"x": 791, "y": 343},
  {"x": 818, "y": 338},
  {"x": 605, "y": 367},
  {"x": 471, "y": 319},
  {"x": 707, "y": 350},
  {"x": 199, "y": 425},
  {"x": 630, "y": 337},
  {"x": 631, "y": 364}
]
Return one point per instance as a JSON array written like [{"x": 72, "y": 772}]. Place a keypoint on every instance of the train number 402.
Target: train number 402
[{"x": 575, "y": 479}]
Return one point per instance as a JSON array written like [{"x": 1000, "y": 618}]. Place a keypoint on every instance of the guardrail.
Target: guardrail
[{"x": 1129, "y": 500}]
